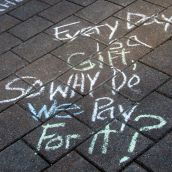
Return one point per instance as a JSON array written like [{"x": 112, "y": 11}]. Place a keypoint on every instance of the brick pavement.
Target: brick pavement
[{"x": 85, "y": 85}]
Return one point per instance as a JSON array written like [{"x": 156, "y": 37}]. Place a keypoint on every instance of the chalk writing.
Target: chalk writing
[
  {"x": 133, "y": 142},
  {"x": 106, "y": 132},
  {"x": 55, "y": 138},
  {"x": 87, "y": 74},
  {"x": 54, "y": 110},
  {"x": 7, "y": 4}
]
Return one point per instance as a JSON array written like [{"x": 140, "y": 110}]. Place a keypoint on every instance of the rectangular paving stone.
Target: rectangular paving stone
[
  {"x": 78, "y": 50},
  {"x": 15, "y": 122},
  {"x": 164, "y": 3},
  {"x": 166, "y": 89},
  {"x": 122, "y": 53},
  {"x": 87, "y": 76},
  {"x": 158, "y": 158},
  {"x": 110, "y": 30},
  {"x": 53, "y": 98},
  {"x": 109, "y": 147},
  {"x": 7, "y": 22},
  {"x": 137, "y": 81},
  {"x": 98, "y": 11},
  {"x": 9, "y": 63},
  {"x": 19, "y": 157},
  {"x": 151, "y": 33},
  {"x": 51, "y": 2},
  {"x": 83, "y": 2},
  {"x": 38, "y": 45},
  {"x": 160, "y": 58},
  {"x": 69, "y": 29},
  {"x": 60, "y": 11},
  {"x": 12, "y": 89},
  {"x": 30, "y": 27},
  {"x": 29, "y": 9},
  {"x": 45, "y": 68},
  {"x": 138, "y": 9},
  {"x": 153, "y": 111},
  {"x": 7, "y": 41},
  {"x": 101, "y": 106},
  {"x": 64, "y": 135},
  {"x": 73, "y": 162},
  {"x": 122, "y": 2},
  {"x": 134, "y": 167}
]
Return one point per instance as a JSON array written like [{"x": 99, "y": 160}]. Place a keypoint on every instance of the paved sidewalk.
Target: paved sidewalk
[{"x": 85, "y": 85}]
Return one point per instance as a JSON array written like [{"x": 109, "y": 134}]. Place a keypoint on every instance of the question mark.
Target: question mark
[{"x": 133, "y": 142}]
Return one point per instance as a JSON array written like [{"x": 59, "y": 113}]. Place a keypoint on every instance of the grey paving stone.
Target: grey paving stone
[
  {"x": 9, "y": 63},
  {"x": 78, "y": 50},
  {"x": 122, "y": 2},
  {"x": 122, "y": 53},
  {"x": 19, "y": 157},
  {"x": 69, "y": 29},
  {"x": 83, "y": 2},
  {"x": 98, "y": 11},
  {"x": 7, "y": 41},
  {"x": 45, "y": 68},
  {"x": 160, "y": 58},
  {"x": 51, "y": 2},
  {"x": 54, "y": 97},
  {"x": 65, "y": 134},
  {"x": 87, "y": 76},
  {"x": 164, "y": 3},
  {"x": 111, "y": 29},
  {"x": 158, "y": 158},
  {"x": 166, "y": 89},
  {"x": 137, "y": 81},
  {"x": 134, "y": 168},
  {"x": 101, "y": 106},
  {"x": 60, "y": 11},
  {"x": 29, "y": 9},
  {"x": 15, "y": 122},
  {"x": 139, "y": 7},
  {"x": 11, "y": 91},
  {"x": 38, "y": 45},
  {"x": 7, "y": 22},
  {"x": 30, "y": 27},
  {"x": 109, "y": 147},
  {"x": 73, "y": 162},
  {"x": 153, "y": 112}
]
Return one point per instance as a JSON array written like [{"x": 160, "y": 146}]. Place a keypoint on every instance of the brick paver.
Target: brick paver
[
  {"x": 95, "y": 16},
  {"x": 151, "y": 160},
  {"x": 30, "y": 27},
  {"x": 85, "y": 85},
  {"x": 60, "y": 11},
  {"x": 20, "y": 152},
  {"x": 7, "y": 22},
  {"x": 29, "y": 9}
]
